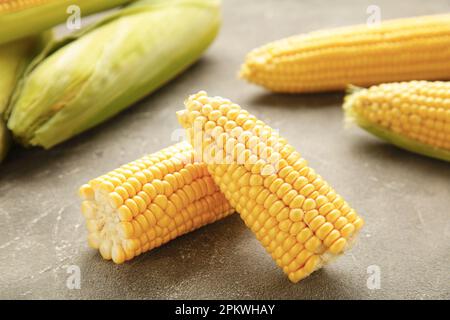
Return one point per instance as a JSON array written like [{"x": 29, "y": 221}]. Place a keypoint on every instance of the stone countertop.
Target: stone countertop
[{"x": 404, "y": 198}]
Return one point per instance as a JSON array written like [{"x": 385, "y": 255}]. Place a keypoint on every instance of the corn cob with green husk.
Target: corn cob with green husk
[
  {"x": 14, "y": 57},
  {"x": 108, "y": 67},
  {"x": 21, "y": 18},
  {"x": 412, "y": 115},
  {"x": 396, "y": 50}
]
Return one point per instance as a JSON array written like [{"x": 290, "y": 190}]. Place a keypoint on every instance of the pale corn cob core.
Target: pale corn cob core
[
  {"x": 293, "y": 212},
  {"x": 397, "y": 50},
  {"x": 405, "y": 113},
  {"x": 8, "y": 6},
  {"x": 149, "y": 202}
]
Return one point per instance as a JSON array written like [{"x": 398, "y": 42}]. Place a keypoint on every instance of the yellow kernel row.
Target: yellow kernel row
[
  {"x": 293, "y": 212},
  {"x": 359, "y": 55},
  {"x": 150, "y": 201},
  {"x": 416, "y": 112}
]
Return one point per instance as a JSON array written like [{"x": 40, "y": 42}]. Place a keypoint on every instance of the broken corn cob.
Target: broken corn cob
[
  {"x": 21, "y": 18},
  {"x": 109, "y": 67},
  {"x": 294, "y": 213},
  {"x": 14, "y": 57},
  {"x": 412, "y": 115},
  {"x": 149, "y": 202},
  {"x": 396, "y": 50}
]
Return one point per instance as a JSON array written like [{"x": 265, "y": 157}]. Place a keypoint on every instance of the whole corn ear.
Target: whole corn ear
[
  {"x": 396, "y": 50},
  {"x": 21, "y": 18},
  {"x": 149, "y": 202},
  {"x": 294, "y": 213},
  {"x": 109, "y": 67},
  {"x": 412, "y": 115},
  {"x": 14, "y": 57}
]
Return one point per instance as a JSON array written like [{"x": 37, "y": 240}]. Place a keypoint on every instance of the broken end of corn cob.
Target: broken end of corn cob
[
  {"x": 149, "y": 202},
  {"x": 360, "y": 106},
  {"x": 338, "y": 249},
  {"x": 299, "y": 219},
  {"x": 182, "y": 118}
]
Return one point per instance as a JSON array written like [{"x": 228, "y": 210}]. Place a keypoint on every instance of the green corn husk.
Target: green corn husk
[
  {"x": 351, "y": 116},
  {"x": 108, "y": 67},
  {"x": 14, "y": 57},
  {"x": 19, "y": 18},
  {"x": 4, "y": 140}
]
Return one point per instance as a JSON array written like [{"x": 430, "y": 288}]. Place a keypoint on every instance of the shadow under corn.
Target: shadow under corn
[
  {"x": 313, "y": 100},
  {"x": 391, "y": 156},
  {"x": 186, "y": 267},
  {"x": 214, "y": 262}
]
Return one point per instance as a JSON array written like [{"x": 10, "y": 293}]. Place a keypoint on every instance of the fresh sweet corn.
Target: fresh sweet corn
[
  {"x": 14, "y": 57},
  {"x": 396, "y": 50},
  {"x": 413, "y": 115},
  {"x": 109, "y": 67},
  {"x": 149, "y": 202},
  {"x": 294, "y": 213},
  {"x": 21, "y": 18}
]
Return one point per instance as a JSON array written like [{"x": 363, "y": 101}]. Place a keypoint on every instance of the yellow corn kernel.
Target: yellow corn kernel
[
  {"x": 138, "y": 214},
  {"x": 413, "y": 115},
  {"x": 297, "y": 233},
  {"x": 314, "y": 62}
]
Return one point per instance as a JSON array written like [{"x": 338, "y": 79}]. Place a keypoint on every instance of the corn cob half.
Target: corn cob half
[
  {"x": 75, "y": 85},
  {"x": 294, "y": 213},
  {"x": 396, "y": 50},
  {"x": 413, "y": 115},
  {"x": 149, "y": 202},
  {"x": 21, "y": 18}
]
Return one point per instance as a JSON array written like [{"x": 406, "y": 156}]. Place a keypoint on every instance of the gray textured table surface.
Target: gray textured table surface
[{"x": 404, "y": 198}]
